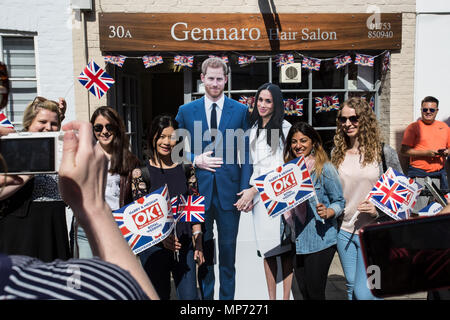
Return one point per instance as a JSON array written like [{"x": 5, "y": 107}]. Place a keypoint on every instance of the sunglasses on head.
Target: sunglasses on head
[
  {"x": 99, "y": 127},
  {"x": 353, "y": 119},
  {"x": 432, "y": 110}
]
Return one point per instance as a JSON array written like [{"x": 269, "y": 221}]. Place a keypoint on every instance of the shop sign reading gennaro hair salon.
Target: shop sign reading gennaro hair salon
[{"x": 253, "y": 32}]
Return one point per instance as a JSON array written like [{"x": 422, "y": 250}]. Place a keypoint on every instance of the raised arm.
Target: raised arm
[{"x": 82, "y": 181}]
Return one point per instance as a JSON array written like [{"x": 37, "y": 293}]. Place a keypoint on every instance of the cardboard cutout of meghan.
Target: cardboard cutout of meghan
[{"x": 285, "y": 187}]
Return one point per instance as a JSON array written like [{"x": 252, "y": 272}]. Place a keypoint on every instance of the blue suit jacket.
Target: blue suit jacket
[{"x": 231, "y": 177}]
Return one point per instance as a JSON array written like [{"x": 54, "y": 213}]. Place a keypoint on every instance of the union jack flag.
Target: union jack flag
[
  {"x": 151, "y": 61},
  {"x": 327, "y": 103},
  {"x": 189, "y": 209},
  {"x": 146, "y": 221},
  {"x": 342, "y": 61},
  {"x": 243, "y": 60},
  {"x": 184, "y": 61},
  {"x": 311, "y": 63},
  {"x": 4, "y": 122},
  {"x": 364, "y": 60},
  {"x": 293, "y": 107},
  {"x": 248, "y": 101},
  {"x": 392, "y": 197},
  {"x": 95, "y": 79},
  {"x": 224, "y": 58},
  {"x": 300, "y": 186},
  {"x": 284, "y": 58},
  {"x": 116, "y": 60}
]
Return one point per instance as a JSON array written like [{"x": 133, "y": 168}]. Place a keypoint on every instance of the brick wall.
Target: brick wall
[
  {"x": 398, "y": 88},
  {"x": 49, "y": 22}
]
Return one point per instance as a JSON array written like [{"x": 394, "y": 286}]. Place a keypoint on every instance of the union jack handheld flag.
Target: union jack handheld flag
[
  {"x": 4, "y": 122},
  {"x": 392, "y": 197},
  {"x": 190, "y": 208},
  {"x": 285, "y": 187},
  {"x": 146, "y": 221},
  {"x": 95, "y": 79}
]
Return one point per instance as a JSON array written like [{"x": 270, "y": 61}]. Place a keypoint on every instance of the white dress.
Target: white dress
[{"x": 267, "y": 229}]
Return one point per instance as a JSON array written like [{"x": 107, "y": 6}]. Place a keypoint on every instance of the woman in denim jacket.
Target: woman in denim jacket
[{"x": 312, "y": 224}]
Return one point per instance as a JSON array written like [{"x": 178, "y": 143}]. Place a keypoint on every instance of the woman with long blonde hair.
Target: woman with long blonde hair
[{"x": 361, "y": 158}]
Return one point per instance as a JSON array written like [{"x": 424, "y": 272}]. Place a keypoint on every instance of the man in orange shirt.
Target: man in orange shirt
[{"x": 426, "y": 142}]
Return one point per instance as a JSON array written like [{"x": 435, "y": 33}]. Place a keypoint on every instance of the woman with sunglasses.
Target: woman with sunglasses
[
  {"x": 32, "y": 215},
  {"x": 176, "y": 255},
  {"x": 358, "y": 155},
  {"x": 312, "y": 224},
  {"x": 109, "y": 131}
]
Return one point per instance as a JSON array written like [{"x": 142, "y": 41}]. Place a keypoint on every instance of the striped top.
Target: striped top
[{"x": 24, "y": 277}]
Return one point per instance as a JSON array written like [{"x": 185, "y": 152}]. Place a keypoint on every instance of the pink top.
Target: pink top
[{"x": 356, "y": 182}]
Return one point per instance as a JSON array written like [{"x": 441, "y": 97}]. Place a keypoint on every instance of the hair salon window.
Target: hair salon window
[
  {"x": 18, "y": 53},
  {"x": 324, "y": 88}
]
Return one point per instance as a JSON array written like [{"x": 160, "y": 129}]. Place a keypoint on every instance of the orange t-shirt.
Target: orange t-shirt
[{"x": 421, "y": 136}]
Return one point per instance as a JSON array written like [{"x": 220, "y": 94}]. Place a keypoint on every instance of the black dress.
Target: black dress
[
  {"x": 158, "y": 262},
  {"x": 33, "y": 221}
]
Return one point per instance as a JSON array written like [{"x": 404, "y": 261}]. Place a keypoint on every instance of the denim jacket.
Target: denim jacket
[{"x": 314, "y": 235}]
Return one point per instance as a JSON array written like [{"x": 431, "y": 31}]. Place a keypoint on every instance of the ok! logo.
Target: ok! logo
[
  {"x": 284, "y": 183},
  {"x": 147, "y": 216}
]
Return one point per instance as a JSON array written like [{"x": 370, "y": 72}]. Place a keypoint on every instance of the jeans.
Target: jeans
[
  {"x": 439, "y": 178},
  {"x": 84, "y": 249},
  {"x": 350, "y": 254}
]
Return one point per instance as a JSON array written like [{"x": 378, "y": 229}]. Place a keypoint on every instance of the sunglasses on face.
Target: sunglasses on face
[
  {"x": 432, "y": 110},
  {"x": 99, "y": 127},
  {"x": 353, "y": 119}
]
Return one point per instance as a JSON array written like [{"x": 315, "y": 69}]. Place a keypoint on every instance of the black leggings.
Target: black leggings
[{"x": 311, "y": 273}]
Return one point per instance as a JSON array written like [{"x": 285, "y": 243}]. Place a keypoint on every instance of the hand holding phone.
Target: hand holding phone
[{"x": 32, "y": 152}]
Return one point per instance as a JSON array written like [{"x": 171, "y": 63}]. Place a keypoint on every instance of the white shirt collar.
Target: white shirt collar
[{"x": 219, "y": 102}]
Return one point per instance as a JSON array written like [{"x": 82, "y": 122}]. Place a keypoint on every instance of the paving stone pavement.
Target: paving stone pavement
[{"x": 336, "y": 289}]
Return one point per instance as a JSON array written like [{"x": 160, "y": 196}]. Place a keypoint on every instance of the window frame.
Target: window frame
[
  {"x": 20, "y": 34},
  {"x": 310, "y": 91}
]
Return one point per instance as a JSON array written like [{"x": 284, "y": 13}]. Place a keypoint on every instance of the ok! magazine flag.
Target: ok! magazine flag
[
  {"x": 146, "y": 221},
  {"x": 285, "y": 187},
  {"x": 395, "y": 194}
]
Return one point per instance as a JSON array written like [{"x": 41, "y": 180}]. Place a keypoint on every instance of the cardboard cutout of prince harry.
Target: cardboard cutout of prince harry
[{"x": 220, "y": 175}]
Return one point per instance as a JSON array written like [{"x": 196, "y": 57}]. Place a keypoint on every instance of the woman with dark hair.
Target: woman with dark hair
[
  {"x": 109, "y": 131},
  {"x": 162, "y": 169},
  {"x": 267, "y": 137},
  {"x": 314, "y": 224},
  {"x": 360, "y": 157}
]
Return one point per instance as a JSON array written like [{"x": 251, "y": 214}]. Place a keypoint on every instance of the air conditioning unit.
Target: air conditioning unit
[{"x": 291, "y": 73}]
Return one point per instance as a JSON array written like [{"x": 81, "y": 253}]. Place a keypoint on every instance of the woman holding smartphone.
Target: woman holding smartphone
[{"x": 32, "y": 214}]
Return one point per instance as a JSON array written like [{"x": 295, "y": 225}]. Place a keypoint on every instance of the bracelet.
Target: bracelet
[{"x": 196, "y": 233}]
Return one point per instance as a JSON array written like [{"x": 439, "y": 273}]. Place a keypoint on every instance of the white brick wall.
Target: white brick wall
[{"x": 51, "y": 20}]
